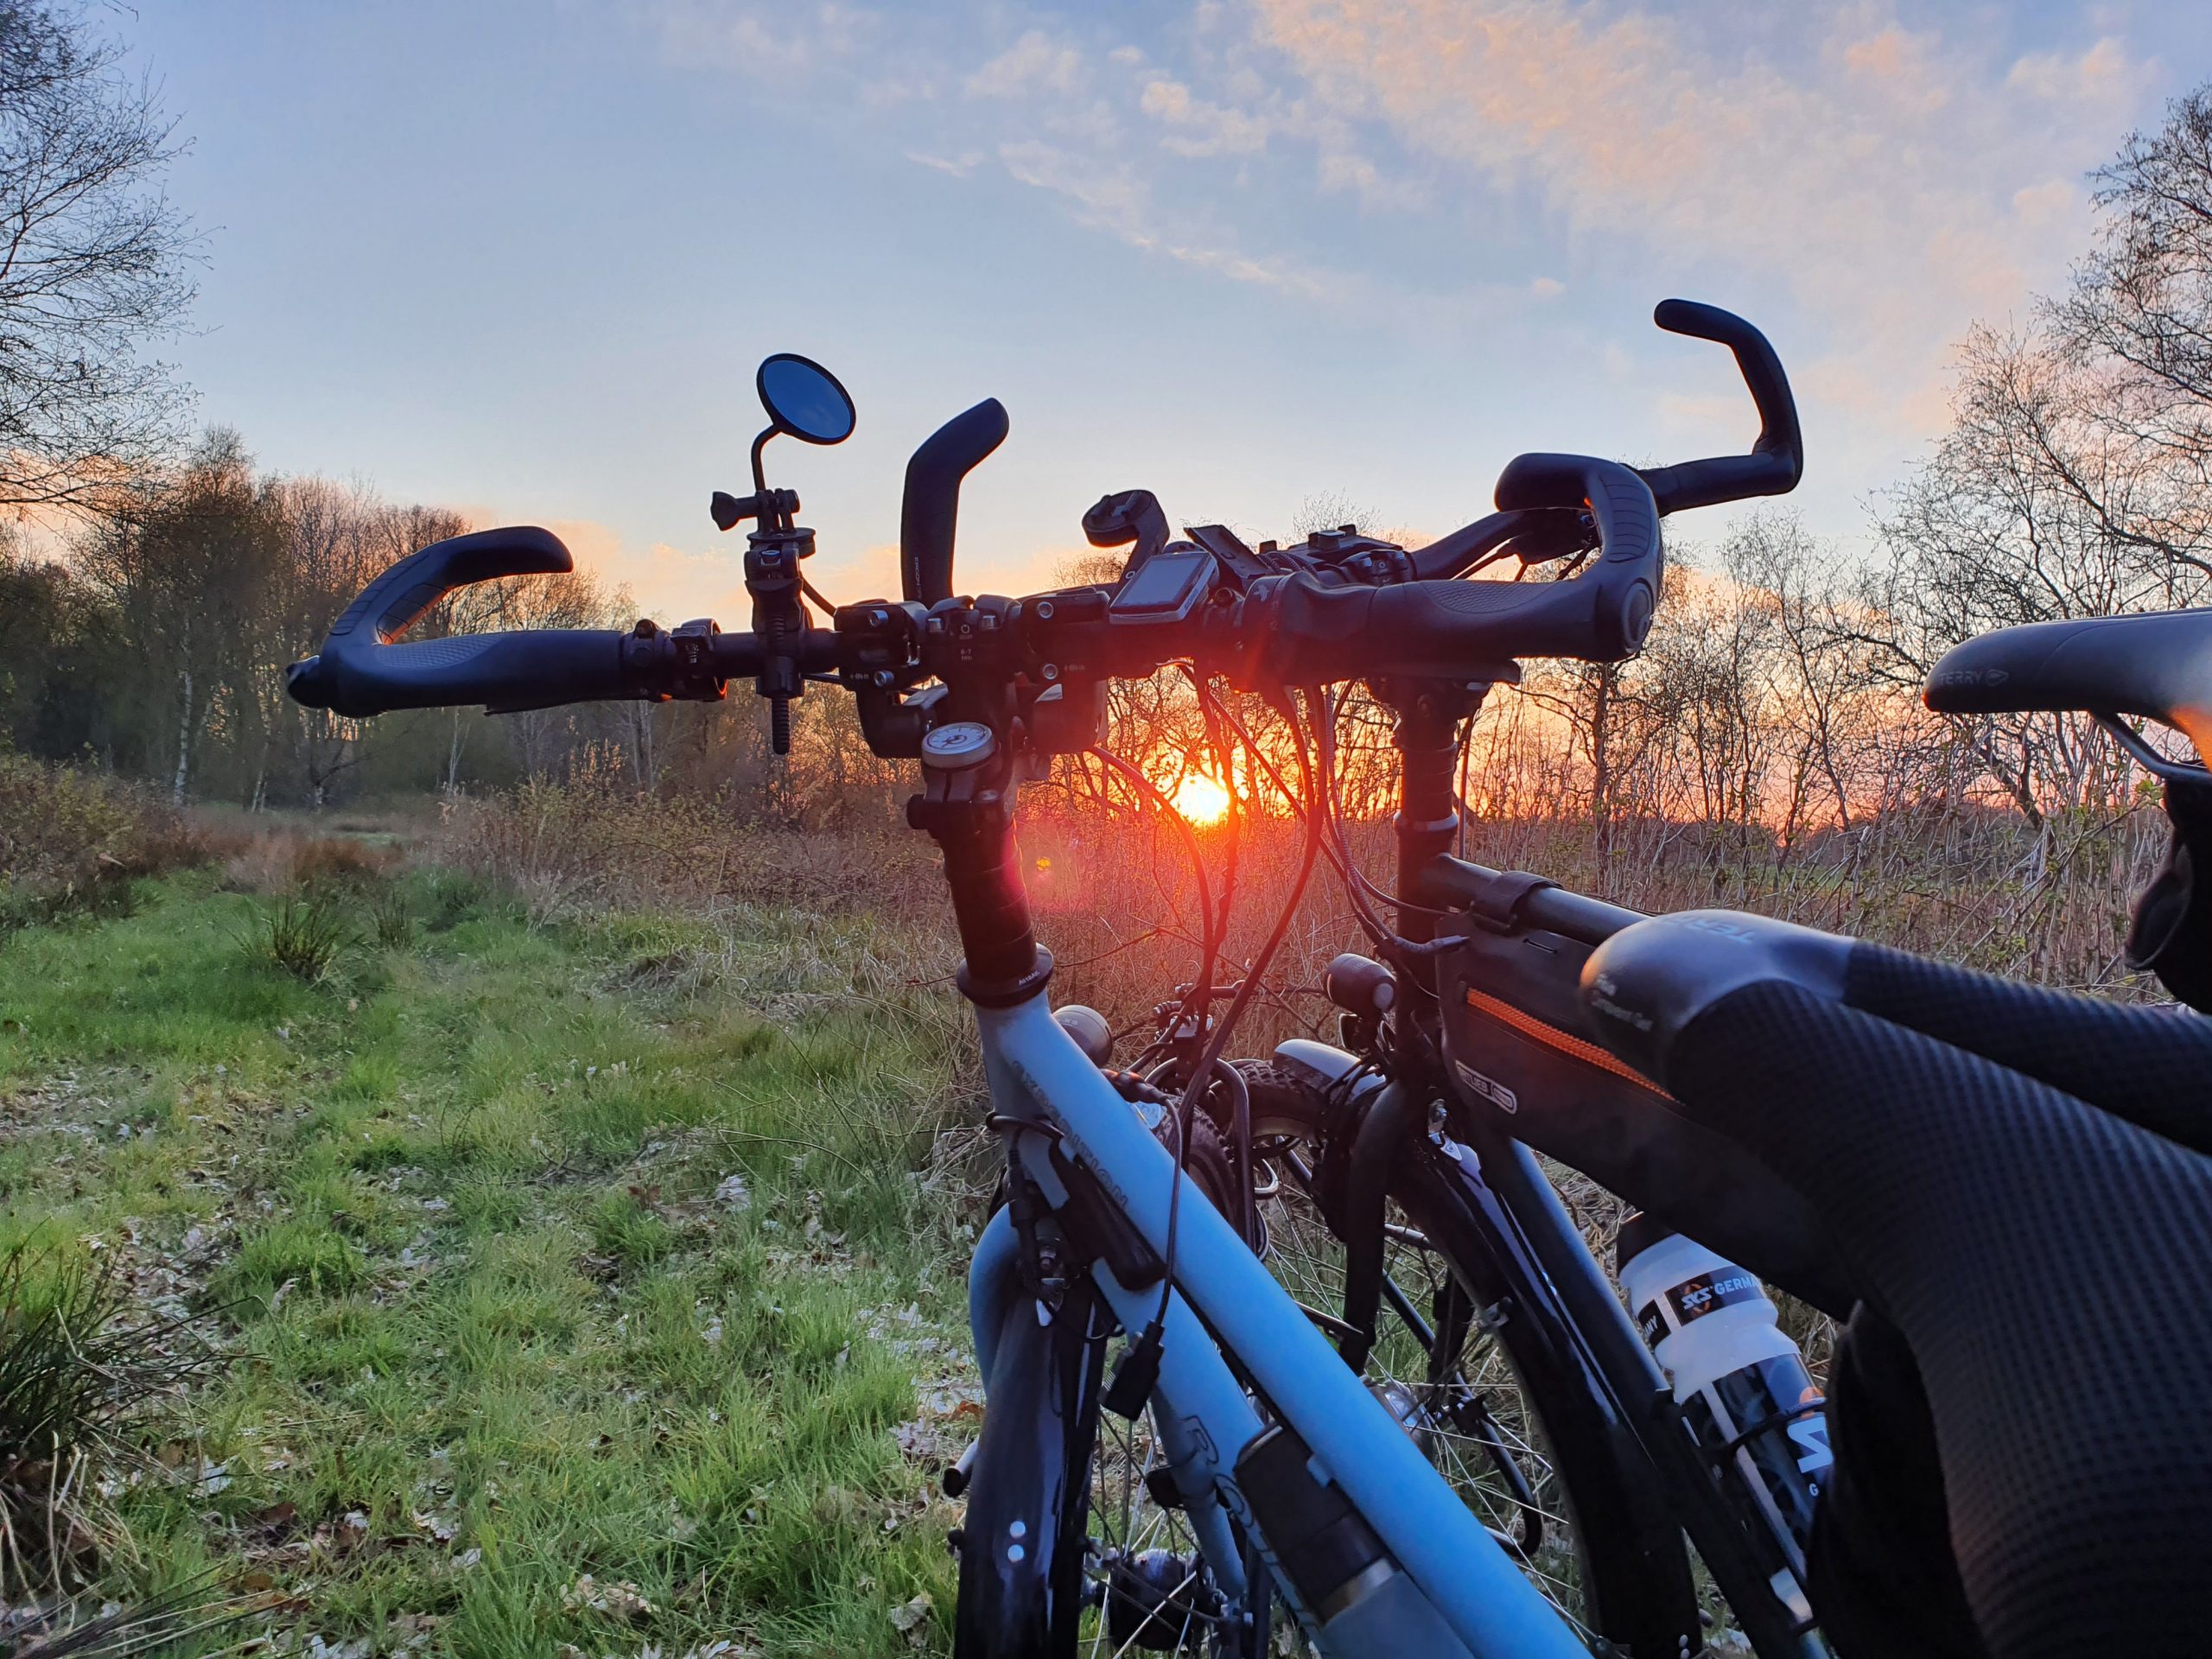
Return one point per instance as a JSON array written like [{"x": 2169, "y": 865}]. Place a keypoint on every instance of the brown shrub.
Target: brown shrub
[
  {"x": 73, "y": 840},
  {"x": 336, "y": 861}
]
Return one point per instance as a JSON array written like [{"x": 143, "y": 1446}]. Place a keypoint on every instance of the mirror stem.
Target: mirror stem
[{"x": 760, "y": 479}]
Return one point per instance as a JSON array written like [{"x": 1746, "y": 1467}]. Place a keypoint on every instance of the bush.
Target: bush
[
  {"x": 392, "y": 918},
  {"x": 73, "y": 840},
  {"x": 302, "y": 933}
]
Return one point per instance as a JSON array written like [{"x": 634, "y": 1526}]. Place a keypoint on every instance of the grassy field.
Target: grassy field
[{"x": 574, "y": 1288}]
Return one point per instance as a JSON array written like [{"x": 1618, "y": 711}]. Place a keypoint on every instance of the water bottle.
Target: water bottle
[{"x": 1739, "y": 1382}]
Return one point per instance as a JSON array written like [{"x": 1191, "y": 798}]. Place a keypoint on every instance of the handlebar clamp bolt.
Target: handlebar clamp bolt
[
  {"x": 1051, "y": 670},
  {"x": 1044, "y": 610}
]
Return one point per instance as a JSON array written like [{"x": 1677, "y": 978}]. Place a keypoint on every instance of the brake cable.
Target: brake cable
[{"x": 1138, "y": 1371}]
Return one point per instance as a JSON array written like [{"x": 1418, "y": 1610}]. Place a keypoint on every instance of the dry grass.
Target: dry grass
[
  {"x": 273, "y": 853},
  {"x": 596, "y": 841},
  {"x": 1115, "y": 902}
]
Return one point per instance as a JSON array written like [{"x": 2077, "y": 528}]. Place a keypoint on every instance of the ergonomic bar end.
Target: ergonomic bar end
[
  {"x": 1777, "y": 461},
  {"x": 402, "y": 593},
  {"x": 929, "y": 511}
]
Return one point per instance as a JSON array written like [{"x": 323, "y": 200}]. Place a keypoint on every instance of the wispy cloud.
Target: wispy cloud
[
  {"x": 958, "y": 166},
  {"x": 1196, "y": 126},
  {"x": 1036, "y": 64},
  {"x": 1083, "y": 118},
  {"x": 1898, "y": 181}
]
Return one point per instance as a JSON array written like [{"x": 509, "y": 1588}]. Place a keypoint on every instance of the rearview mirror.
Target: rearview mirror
[{"x": 803, "y": 399}]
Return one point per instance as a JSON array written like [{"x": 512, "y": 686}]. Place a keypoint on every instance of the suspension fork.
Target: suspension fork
[{"x": 1021, "y": 1549}]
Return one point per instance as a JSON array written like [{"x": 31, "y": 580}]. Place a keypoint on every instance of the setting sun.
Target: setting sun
[{"x": 1201, "y": 800}]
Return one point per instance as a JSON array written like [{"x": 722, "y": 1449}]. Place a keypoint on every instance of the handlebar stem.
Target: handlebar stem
[
  {"x": 771, "y": 577},
  {"x": 1427, "y": 820},
  {"x": 967, "y": 807}
]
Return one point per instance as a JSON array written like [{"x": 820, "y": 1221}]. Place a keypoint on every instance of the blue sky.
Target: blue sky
[{"x": 522, "y": 258}]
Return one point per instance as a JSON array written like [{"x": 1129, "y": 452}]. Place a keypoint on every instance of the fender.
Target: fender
[{"x": 1028, "y": 1489}]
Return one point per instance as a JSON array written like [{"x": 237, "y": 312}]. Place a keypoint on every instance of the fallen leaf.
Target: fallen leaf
[{"x": 907, "y": 1618}]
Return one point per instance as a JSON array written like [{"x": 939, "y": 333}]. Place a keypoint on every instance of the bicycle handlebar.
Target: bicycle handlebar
[
  {"x": 1775, "y": 465},
  {"x": 360, "y": 672},
  {"x": 1472, "y": 629},
  {"x": 1283, "y": 628}
]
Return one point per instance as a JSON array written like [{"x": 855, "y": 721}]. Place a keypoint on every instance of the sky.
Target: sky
[{"x": 521, "y": 258}]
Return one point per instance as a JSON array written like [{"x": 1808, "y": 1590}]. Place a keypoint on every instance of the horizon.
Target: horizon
[{"x": 522, "y": 263}]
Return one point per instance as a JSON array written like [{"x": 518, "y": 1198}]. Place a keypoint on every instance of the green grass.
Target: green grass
[{"x": 451, "y": 1212}]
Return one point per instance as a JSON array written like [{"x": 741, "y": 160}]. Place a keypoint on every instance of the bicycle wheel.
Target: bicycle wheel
[
  {"x": 1117, "y": 1567},
  {"x": 1149, "y": 1588},
  {"x": 1455, "y": 1368}
]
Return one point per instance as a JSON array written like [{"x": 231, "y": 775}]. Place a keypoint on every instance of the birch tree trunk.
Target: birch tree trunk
[{"x": 183, "y": 741}]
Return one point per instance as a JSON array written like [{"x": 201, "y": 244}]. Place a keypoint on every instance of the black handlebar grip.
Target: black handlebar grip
[
  {"x": 395, "y": 599},
  {"x": 1623, "y": 579},
  {"x": 1778, "y": 458},
  {"x": 528, "y": 668},
  {"x": 1476, "y": 629},
  {"x": 929, "y": 511},
  {"x": 1433, "y": 630},
  {"x": 358, "y": 673},
  {"x": 1472, "y": 629}
]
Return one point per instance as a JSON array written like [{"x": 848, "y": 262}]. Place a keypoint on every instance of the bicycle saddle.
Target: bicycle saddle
[
  {"x": 2017, "y": 1181},
  {"x": 2157, "y": 665}
]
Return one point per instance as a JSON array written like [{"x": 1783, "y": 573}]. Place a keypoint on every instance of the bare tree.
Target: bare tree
[
  {"x": 94, "y": 263},
  {"x": 2077, "y": 477}
]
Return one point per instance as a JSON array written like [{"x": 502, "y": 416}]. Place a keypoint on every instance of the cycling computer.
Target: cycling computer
[{"x": 1165, "y": 587}]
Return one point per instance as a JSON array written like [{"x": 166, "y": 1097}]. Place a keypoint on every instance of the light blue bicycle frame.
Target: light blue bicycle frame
[{"x": 1460, "y": 1594}]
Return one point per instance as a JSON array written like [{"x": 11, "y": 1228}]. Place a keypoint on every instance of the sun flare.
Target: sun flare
[{"x": 1201, "y": 800}]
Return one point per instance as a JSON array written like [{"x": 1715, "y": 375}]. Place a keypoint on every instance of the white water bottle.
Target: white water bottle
[{"x": 1740, "y": 1383}]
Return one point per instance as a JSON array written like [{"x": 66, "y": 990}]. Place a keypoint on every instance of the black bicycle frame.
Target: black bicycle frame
[{"x": 1617, "y": 1437}]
